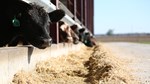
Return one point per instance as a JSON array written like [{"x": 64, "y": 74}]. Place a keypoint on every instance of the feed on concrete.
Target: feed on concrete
[{"x": 94, "y": 65}]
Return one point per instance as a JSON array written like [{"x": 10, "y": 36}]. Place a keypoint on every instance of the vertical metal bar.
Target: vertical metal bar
[
  {"x": 85, "y": 12},
  {"x": 93, "y": 16},
  {"x": 57, "y": 25},
  {"x": 75, "y": 9},
  {"x": 81, "y": 12},
  {"x": 88, "y": 14},
  {"x": 57, "y": 1}
]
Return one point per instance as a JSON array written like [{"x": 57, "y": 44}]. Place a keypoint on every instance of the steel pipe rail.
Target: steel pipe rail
[
  {"x": 14, "y": 59},
  {"x": 48, "y": 6}
]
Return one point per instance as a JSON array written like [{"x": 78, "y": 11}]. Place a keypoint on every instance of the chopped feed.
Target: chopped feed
[{"x": 89, "y": 66}]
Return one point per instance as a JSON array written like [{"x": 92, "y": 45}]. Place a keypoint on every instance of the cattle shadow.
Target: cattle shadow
[{"x": 30, "y": 51}]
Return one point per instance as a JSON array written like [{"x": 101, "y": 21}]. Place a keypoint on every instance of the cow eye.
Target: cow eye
[{"x": 16, "y": 22}]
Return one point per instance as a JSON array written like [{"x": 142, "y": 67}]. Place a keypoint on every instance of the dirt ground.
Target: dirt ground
[
  {"x": 97, "y": 65},
  {"x": 138, "y": 56}
]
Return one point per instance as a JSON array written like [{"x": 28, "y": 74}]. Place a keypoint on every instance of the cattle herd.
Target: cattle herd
[{"x": 29, "y": 24}]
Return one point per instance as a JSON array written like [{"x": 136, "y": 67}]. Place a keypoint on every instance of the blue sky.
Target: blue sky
[{"x": 123, "y": 16}]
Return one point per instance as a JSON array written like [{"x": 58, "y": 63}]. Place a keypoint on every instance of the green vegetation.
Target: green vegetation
[
  {"x": 110, "y": 32},
  {"x": 145, "y": 42}
]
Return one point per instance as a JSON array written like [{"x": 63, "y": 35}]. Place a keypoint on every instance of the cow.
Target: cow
[
  {"x": 84, "y": 36},
  {"x": 74, "y": 27},
  {"x": 29, "y": 21},
  {"x": 66, "y": 34},
  {"x": 87, "y": 38},
  {"x": 55, "y": 16}
]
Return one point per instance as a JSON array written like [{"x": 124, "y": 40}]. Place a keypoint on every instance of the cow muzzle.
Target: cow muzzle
[
  {"x": 70, "y": 39},
  {"x": 46, "y": 43}
]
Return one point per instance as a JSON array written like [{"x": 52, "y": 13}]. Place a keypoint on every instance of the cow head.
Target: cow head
[
  {"x": 81, "y": 34},
  {"x": 74, "y": 27},
  {"x": 33, "y": 22},
  {"x": 67, "y": 34},
  {"x": 89, "y": 40},
  {"x": 86, "y": 37}
]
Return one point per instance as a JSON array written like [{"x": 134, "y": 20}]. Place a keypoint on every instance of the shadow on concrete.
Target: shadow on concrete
[{"x": 30, "y": 51}]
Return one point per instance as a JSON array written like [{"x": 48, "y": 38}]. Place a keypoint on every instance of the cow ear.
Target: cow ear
[
  {"x": 81, "y": 30},
  {"x": 74, "y": 27},
  {"x": 61, "y": 22},
  {"x": 56, "y": 15}
]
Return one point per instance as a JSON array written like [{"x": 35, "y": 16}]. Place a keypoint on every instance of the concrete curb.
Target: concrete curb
[{"x": 13, "y": 59}]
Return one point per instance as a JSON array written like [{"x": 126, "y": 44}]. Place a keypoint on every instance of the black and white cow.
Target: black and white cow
[
  {"x": 87, "y": 38},
  {"x": 84, "y": 36},
  {"x": 19, "y": 19}
]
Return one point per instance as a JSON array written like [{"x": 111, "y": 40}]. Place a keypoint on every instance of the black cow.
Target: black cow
[
  {"x": 55, "y": 16},
  {"x": 28, "y": 21}
]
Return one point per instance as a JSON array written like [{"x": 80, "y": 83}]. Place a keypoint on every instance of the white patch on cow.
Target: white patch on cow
[{"x": 63, "y": 27}]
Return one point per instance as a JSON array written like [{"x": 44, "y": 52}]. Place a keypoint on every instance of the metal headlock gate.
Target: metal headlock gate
[{"x": 13, "y": 59}]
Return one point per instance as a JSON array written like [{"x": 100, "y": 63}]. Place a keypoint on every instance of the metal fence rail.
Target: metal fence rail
[{"x": 13, "y": 59}]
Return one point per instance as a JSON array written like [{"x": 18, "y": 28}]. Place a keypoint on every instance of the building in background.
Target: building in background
[{"x": 81, "y": 11}]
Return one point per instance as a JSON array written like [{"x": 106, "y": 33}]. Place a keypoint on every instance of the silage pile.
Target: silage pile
[{"x": 88, "y": 66}]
